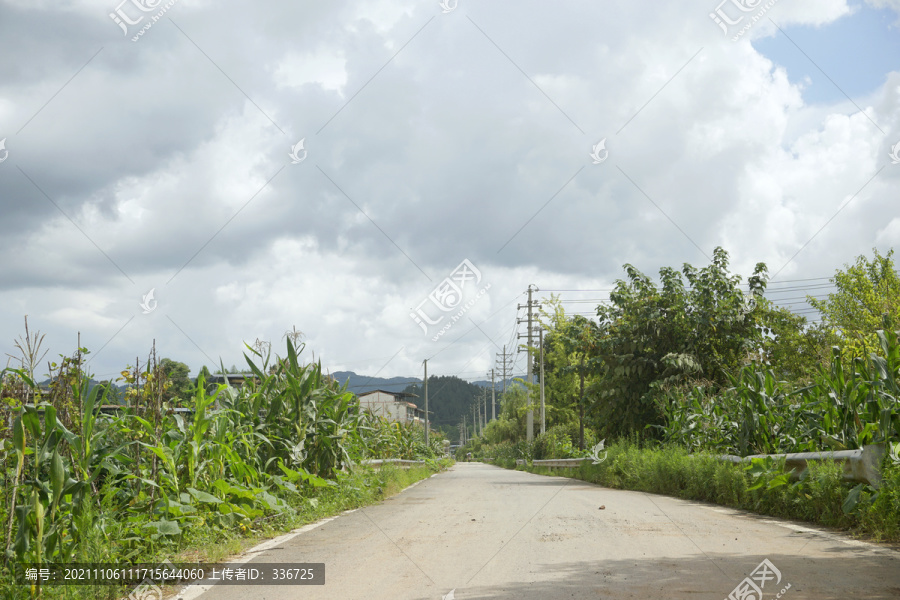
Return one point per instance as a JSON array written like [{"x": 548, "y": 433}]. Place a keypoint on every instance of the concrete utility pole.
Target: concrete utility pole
[
  {"x": 541, "y": 342},
  {"x": 504, "y": 365},
  {"x": 475, "y": 418},
  {"x": 426, "y": 402},
  {"x": 493, "y": 398},
  {"x": 483, "y": 410},
  {"x": 529, "y": 419}
]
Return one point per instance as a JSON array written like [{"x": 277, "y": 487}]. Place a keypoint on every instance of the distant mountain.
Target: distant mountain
[{"x": 360, "y": 384}]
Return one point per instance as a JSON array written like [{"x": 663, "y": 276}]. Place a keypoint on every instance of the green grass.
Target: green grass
[
  {"x": 360, "y": 487},
  {"x": 819, "y": 498}
]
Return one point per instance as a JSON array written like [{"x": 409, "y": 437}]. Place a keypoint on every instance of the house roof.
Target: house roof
[{"x": 395, "y": 394}]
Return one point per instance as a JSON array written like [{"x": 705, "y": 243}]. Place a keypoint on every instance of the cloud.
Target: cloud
[{"x": 432, "y": 137}]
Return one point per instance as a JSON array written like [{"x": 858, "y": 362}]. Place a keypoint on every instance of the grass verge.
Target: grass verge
[
  {"x": 361, "y": 487},
  {"x": 820, "y": 497}
]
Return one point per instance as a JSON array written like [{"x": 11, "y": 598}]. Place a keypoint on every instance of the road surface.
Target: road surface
[{"x": 486, "y": 532}]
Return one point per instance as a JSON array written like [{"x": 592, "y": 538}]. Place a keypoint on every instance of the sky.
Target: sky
[{"x": 390, "y": 177}]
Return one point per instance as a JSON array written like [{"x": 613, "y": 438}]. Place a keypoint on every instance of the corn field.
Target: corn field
[
  {"x": 135, "y": 482},
  {"x": 847, "y": 407}
]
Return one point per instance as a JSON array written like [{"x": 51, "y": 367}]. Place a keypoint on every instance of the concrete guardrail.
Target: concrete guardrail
[
  {"x": 863, "y": 465},
  {"x": 565, "y": 463}
]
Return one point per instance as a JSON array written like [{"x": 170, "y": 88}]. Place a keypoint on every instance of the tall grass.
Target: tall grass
[{"x": 820, "y": 496}]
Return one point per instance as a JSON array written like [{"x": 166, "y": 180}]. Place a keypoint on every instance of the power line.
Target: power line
[
  {"x": 796, "y": 298},
  {"x": 795, "y": 280}
]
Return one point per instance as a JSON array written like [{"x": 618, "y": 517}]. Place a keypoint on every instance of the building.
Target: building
[
  {"x": 392, "y": 406},
  {"x": 235, "y": 380}
]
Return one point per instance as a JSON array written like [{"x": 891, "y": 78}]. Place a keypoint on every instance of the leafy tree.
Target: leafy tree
[
  {"x": 792, "y": 348},
  {"x": 449, "y": 399},
  {"x": 181, "y": 387},
  {"x": 560, "y": 383},
  {"x": 581, "y": 338},
  {"x": 650, "y": 337},
  {"x": 510, "y": 425},
  {"x": 109, "y": 392},
  {"x": 866, "y": 292}
]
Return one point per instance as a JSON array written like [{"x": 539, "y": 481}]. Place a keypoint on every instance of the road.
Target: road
[{"x": 486, "y": 532}]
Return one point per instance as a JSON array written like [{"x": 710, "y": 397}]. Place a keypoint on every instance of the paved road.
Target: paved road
[{"x": 487, "y": 532}]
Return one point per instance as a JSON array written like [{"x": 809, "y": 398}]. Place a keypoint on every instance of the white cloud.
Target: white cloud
[
  {"x": 326, "y": 67},
  {"x": 165, "y": 150}
]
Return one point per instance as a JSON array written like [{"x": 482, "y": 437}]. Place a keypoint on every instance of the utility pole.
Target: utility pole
[
  {"x": 483, "y": 410},
  {"x": 541, "y": 342},
  {"x": 529, "y": 420},
  {"x": 475, "y": 417},
  {"x": 426, "y": 403},
  {"x": 504, "y": 365},
  {"x": 493, "y": 398}
]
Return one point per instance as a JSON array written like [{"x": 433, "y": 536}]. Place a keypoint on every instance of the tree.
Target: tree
[
  {"x": 650, "y": 337},
  {"x": 560, "y": 383},
  {"x": 510, "y": 424},
  {"x": 792, "y": 348},
  {"x": 581, "y": 338},
  {"x": 449, "y": 398},
  {"x": 109, "y": 392},
  {"x": 866, "y": 292},
  {"x": 181, "y": 388}
]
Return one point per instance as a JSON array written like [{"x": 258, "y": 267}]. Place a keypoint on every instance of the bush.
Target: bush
[
  {"x": 879, "y": 512},
  {"x": 561, "y": 441}
]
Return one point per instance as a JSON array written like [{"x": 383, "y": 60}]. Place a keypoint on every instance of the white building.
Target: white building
[{"x": 392, "y": 406}]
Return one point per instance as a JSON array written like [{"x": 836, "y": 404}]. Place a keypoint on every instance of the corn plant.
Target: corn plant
[
  {"x": 844, "y": 408},
  {"x": 51, "y": 494}
]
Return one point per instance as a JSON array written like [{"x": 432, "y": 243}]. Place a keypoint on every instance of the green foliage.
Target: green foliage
[
  {"x": 844, "y": 408},
  {"x": 504, "y": 453},
  {"x": 139, "y": 483},
  {"x": 181, "y": 388},
  {"x": 449, "y": 398},
  {"x": 867, "y": 292},
  {"x": 650, "y": 337},
  {"x": 794, "y": 350},
  {"x": 388, "y": 439},
  {"x": 818, "y": 496},
  {"x": 561, "y": 441}
]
